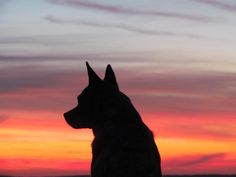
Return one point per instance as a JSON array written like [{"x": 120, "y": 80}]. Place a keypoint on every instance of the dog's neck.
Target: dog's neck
[{"x": 114, "y": 118}]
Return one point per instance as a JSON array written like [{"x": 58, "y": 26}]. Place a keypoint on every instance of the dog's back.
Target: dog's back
[{"x": 123, "y": 145}]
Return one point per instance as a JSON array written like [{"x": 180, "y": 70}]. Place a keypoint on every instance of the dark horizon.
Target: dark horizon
[{"x": 198, "y": 175}]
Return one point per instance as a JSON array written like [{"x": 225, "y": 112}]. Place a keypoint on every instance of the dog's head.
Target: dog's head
[{"x": 94, "y": 101}]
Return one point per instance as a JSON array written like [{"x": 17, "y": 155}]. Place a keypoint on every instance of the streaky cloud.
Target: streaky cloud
[
  {"x": 129, "y": 11},
  {"x": 120, "y": 26},
  {"x": 42, "y": 58},
  {"x": 38, "y": 39},
  {"x": 184, "y": 92},
  {"x": 203, "y": 159},
  {"x": 219, "y": 4},
  {"x": 194, "y": 160},
  {"x": 12, "y": 58},
  {"x": 103, "y": 57},
  {"x": 170, "y": 93},
  {"x": 32, "y": 77}
]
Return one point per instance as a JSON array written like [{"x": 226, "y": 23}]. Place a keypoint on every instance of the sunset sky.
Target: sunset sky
[{"x": 175, "y": 59}]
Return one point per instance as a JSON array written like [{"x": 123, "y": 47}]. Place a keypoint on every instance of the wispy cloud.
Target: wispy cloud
[
  {"x": 10, "y": 58},
  {"x": 202, "y": 159},
  {"x": 183, "y": 92},
  {"x": 172, "y": 93},
  {"x": 219, "y": 4},
  {"x": 32, "y": 77},
  {"x": 120, "y": 26},
  {"x": 39, "y": 39},
  {"x": 21, "y": 87},
  {"x": 200, "y": 162},
  {"x": 129, "y": 11}
]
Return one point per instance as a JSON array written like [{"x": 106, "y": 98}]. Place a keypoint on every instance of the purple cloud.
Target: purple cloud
[
  {"x": 185, "y": 164},
  {"x": 204, "y": 159},
  {"x": 183, "y": 92},
  {"x": 128, "y": 11},
  {"x": 195, "y": 160},
  {"x": 23, "y": 78},
  {"x": 120, "y": 26},
  {"x": 34, "y": 87},
  {"x": 8, "y": 58},
  {"x": 170, "y": 93},
  {"x": 219, "y": 4},
  {"x": 39, "y": 39}
]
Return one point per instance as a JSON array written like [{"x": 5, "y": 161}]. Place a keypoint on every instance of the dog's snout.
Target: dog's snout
[
  {"x": 71, "y": 118},
  {"x": 66, "y": 115}
]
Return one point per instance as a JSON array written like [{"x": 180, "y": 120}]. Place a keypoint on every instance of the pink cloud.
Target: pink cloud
[
  {"x": 219, "y": 4},
  {"x": 129, "y": 11},
  {"x": 120, "y": 26},
  {"x": 211, "y": 163}
]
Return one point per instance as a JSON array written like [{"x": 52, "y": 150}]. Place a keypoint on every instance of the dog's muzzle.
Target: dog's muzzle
[{"x": 70, "y": 118}]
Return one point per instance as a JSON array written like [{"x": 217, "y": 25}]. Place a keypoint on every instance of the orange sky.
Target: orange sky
[{"x": 41, "y": 143}]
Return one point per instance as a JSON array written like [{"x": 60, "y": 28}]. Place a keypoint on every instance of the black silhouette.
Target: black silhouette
[{"x": 123, "y": 145}]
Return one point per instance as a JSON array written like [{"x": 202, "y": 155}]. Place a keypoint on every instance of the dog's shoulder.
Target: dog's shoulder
[{"x": 123, "y": 133}]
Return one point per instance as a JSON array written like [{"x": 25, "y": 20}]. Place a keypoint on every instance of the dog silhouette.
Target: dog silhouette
[{"x": 123, "y": 145}]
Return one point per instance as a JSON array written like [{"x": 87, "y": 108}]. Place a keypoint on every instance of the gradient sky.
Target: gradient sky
[{"x": 176, "y": 60}]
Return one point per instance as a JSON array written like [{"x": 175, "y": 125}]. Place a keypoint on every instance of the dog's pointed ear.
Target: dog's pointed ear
[
  {"x": 110, "y": 77},
  {"x": 93, "y": 77}
]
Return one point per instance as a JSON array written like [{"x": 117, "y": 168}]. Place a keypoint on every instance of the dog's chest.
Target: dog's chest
[
  {"x": 101, "y": 153},
  {"x": 102, "y": 144}
]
